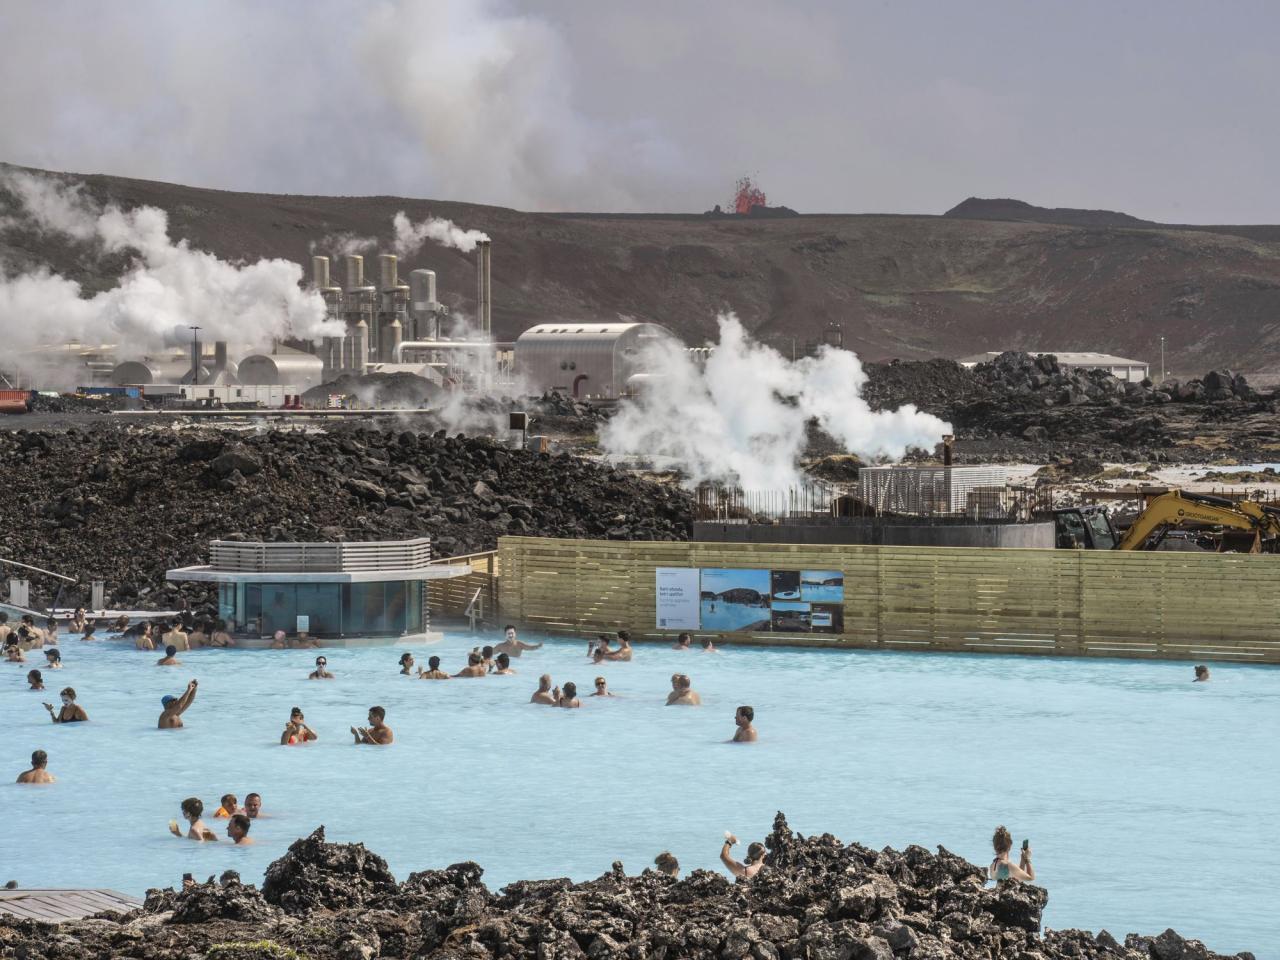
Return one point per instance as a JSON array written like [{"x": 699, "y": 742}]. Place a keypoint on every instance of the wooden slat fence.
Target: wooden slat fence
[
  {"x": 1168, "y": 605},
  {"x": 450, "y": 598}
]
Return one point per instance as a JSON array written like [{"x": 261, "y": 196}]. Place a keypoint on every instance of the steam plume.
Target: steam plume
[
  {"x": 742, "y": 419},
  {"x": 411, "y": 236},
  {"x": 169, "y": 285}
]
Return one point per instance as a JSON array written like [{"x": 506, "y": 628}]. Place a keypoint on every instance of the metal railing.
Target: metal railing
[{"x": 236, "y": 556}]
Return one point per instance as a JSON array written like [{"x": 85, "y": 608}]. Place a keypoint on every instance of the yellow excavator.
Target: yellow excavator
[{"x": 1248, "y": 527}]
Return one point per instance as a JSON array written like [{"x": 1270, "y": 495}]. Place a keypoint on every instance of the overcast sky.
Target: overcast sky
[{"x": 1164, "y": 109}]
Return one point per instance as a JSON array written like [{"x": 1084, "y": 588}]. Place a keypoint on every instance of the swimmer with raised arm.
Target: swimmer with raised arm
[
  {"x": 321, "y": 672},
  {"x": 70, "y": 712},
  {"x": 743, "y": 719},
  {"x": 175, "y": 707},
  {"x": 296, "y": 730},
  {"x": 39, "y": 772},
  {"x": 743, "y": 871},
  {"x": 377, "y": 733},
  {"x": 544, "y": 694},
  {"x": 433, "y": 671},
  {"x": 1001, "y": 868},
  {"x": 512, "y": 646}
]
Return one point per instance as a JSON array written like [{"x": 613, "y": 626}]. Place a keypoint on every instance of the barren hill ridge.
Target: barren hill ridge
[{"x": 900, "y": 286}]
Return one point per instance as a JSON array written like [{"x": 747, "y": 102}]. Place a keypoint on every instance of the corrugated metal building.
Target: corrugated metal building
[{"x": 584, "y": 360}]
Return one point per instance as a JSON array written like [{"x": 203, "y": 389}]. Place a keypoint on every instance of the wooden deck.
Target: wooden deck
[{"x": 55, "y": 906}]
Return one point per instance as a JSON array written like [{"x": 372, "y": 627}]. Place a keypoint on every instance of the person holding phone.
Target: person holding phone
[{"x": 1001, "y": 868}]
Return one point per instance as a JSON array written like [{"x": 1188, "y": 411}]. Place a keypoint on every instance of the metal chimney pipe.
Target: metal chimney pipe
[
  {"x": 320, "y": 272},
  {"x": 355, "y": 271},
  {"x": 219, "y": 356},
  {"x": 387, "y": 270},
  {"x": 483, "y": 289}
]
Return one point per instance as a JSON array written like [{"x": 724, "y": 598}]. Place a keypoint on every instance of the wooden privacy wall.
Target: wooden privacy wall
[
  {"x": 1181, "y": 606},
  {"x": 450, "y": 598}
]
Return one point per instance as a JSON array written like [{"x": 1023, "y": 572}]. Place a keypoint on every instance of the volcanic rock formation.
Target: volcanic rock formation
[{"x": 816, "y": 899}]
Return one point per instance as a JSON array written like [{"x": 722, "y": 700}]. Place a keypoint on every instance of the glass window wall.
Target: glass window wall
[{"x": 391, "y": 608}]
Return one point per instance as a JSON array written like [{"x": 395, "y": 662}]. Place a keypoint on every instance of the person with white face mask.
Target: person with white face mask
[
  {"x": 511, "y": 645},
  {"x": 71, "y": 711}
]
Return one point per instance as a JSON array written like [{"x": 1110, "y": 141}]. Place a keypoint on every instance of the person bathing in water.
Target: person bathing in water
[
  {"x": 406, "y": 664},
  {"x": 175, "y": 707},
  {"x": 433, "y": 671},
  {"x": 746, "y": 732},
  {"x": 475, "y": 666},
  {"x": 545, "y": 694},
  {"x": 39, "y": 772},
  {"x": 743, "y": 871},
  {"x": 192, "y": 810},
  {"x": 321, "y": 672},
  {"x": 623, "y": 653},
  {"x": 512, "y": 646},
  {"x": 238, "y": 830},
  {"x": 502, "y": 666},
  {"x": 1001, "y": 868},
  {"x": 569, "y": 696},
  {"x": 683, "y": 642},
  {"x": 71, "y": 712},
  {"x": 230, "y": 807},
  {"x": 296, "y": 730},
  {"x": 377, "y": 733},
  {"x": 35, "y": 679},
  {"x": 170, "y": 658}
]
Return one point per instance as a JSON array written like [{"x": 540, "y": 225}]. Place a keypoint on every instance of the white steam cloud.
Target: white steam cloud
[
  {"x": 410, "y": 236},
  {"x": 169, "y": 285},
  {"x": 742, "y": 418}
]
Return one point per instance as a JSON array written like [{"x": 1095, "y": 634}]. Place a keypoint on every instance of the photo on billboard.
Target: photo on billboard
[
  {"x": 785, "y": 585},
  {"x": 791, "y": 616},
  {"x": 826, "y": 617},
  {"x": 734, "y": 600},
  {"x": 822, "y": 586}
]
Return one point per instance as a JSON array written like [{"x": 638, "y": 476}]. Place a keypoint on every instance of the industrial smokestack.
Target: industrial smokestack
[
  {"x": 483, "y": 289},
  {"x": 220, "y": 353},
  {"x": 387, "y": 271},
  {"x": 320, "y": 272},
  {"x": 195, "y": 361},
  {"x": 422, "y": 304},
  {"x": 948, "y": 449},
  {"x": 355, "y": 271}
]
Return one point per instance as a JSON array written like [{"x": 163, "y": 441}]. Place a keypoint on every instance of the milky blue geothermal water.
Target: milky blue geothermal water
[{"x": 1149, "y": 801}]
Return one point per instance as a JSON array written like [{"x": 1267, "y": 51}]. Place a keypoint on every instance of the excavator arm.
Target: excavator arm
[{"x": 1176, "y": 508}]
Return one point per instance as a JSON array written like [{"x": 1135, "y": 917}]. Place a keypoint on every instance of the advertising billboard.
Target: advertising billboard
[{"x": 754, "y": 601}]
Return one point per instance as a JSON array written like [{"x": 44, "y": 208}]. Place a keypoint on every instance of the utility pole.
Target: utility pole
[
  {"x": 1163, "y": 373},
  {"x": 195, "y": 356}
]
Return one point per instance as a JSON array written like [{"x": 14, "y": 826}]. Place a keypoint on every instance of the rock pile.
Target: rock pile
[
  {"x": 815, "y": 899},
  {"x": 125, "y": 504}
]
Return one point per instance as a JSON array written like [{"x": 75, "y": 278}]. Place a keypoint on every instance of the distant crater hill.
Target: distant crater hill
[{"x": 988, "y": 275}]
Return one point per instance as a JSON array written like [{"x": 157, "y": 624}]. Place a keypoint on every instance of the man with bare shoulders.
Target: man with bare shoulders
[
  {"x": 433, "y": 671},
  {"x": 544, "y": 693},
  {"x": 623, "y": 653},
  {"x": 39, "y": 772},
  {"x": 377, "y": 733},
  {"x": 175, "y": 707},
  {"x": 743, "y": 719},
  {"x": 475, "y": 667},
  {"x": 683, "y": 642},
  {"x": 682, "y": 692},
  {"x": 174, "y": 636},
  {"x": 238, "y": 830},
  {"x": 170, "y": 658},
  {"x": 512, "y": 646}
]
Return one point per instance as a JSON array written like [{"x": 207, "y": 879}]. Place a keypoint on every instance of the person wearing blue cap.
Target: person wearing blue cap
[{"x": 175, "y": 707}]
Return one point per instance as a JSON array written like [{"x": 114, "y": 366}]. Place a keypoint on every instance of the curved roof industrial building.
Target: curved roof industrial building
[{"x": 585, "y": 360}]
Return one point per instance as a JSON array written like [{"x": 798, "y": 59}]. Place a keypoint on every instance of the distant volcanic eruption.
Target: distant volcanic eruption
[{"x": 747, "y": 195}]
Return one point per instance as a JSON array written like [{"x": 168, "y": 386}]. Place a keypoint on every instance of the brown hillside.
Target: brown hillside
[{"x": 901, "y": 286}]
